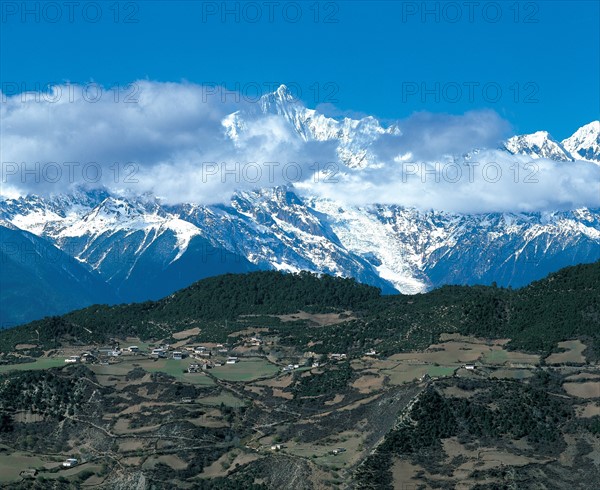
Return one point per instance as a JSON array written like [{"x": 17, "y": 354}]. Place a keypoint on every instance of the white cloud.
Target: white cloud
[{"x": 171, "y": 141}]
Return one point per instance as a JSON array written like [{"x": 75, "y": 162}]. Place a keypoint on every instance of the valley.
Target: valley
[{"x": 275, "y": 397}]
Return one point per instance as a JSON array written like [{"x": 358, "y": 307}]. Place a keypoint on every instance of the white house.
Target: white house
[
  {"x": 69, "y": 463},
  {"x": 231, "y": 360},
  {"x": 158, "y": 353},
  {"x": 72, "y": 359},
  {"x": 133, "y": 348}
]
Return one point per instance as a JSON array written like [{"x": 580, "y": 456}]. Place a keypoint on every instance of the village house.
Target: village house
[
  {"x": 87, "y": 357},
  {"x": 193, "y": 368},
  {"x": 69, "y": 463},
  {"x": 105, "y": 351},
  {"x": 158, "y": 353}
]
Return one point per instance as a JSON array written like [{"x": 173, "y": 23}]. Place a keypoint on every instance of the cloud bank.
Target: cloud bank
[{"x": 169, "y": 139}]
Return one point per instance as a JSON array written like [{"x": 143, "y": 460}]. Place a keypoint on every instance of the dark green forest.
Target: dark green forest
[{"x": 565, "y": 305}]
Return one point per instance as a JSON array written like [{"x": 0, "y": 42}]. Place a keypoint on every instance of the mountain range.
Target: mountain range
[{"x": 66, "y": 251}]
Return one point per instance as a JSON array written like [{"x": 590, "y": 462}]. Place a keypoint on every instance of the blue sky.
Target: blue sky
[{"x": 388, "y": 59}]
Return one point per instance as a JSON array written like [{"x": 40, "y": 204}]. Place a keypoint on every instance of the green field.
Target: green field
[
  {"x": 438, "y": 371},
  {"x": 495, "y": 357},
  {"x": 171, "y": 367},
  {"x": 66, "y": 473},
  {"x": 43, "y": 363},
  {"x": 245, "y": 370},
  {"x": 11, "y": 465}
]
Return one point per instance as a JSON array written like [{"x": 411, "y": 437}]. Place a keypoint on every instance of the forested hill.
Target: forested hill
[{"x": 563, "y": 306}]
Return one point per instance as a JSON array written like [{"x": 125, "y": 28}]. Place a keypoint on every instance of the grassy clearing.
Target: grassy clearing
[
  {"x": 439, "y": 371},
  {"x": 11, "y": 465},
  {"x": 245, "y": 370},
  {"x": 43, "y": 363},
  {"x": 177, "y": 369},
  {"x": 171, "y": 367},
  {"x": 72, "y": 471},
  {"x": 495, "y": 356},
  {"x": 512, "y": 374}
]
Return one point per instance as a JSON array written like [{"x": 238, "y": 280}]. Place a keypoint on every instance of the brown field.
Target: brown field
[
  {"x": 184, "y": 334},
  {"x": 574, "y": 353},
  {"x": 248, "y": 331},
  {"x": 25, "y": 346},
  {"x": 319, "y": 319},
  {"x": 282, "y": 394},
  {"x": 404, "y": 474},
  {"x": 132, "y": 461},
  {"x": 279, "y": 382},
  {"x": 131, "y": 444},
  {"x": 122, "y": 427},
  {"x": 588, "y": 410},
  {"x": 454, "y": 353},
  {"x": 482, "y": 458},
  {"x": 258, "y": 390},
  {"x": 228, "y": 462},
  {"x": 336, "y": 399},
  {"x": 368, "y": 383},
  {"x": 173, "y": 461},
  {"x": 472, "y": 340},
  {"x": 580, "y": 376},
  {"x": 590, "y": 389},
  {"x": 358, "y": 403},
  {"x": 350, "y": 440}
]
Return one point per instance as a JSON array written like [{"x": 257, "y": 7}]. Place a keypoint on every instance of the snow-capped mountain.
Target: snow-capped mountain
[
  {"x": 354, "y": 137},
  {"x": 142, "y": 248},
  {"x": 538, "y": 145},
  {"x": 585, "y": 142}
]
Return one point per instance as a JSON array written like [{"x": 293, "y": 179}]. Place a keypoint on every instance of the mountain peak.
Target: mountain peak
[
  {"x": 585, "y": 142},
  {"x": 284, "y": 92},
  {"x": 538, "y": 145}
]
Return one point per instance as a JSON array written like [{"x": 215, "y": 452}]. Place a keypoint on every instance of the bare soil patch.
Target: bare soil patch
[
  {"x": 369, "y": 383},
  {"x": 588, "y": 410},
  {"x": 573, "y": 353},
  {"x": 318, "y": 319},
  {"x": 589, "y": 389},
  {"x": 184, "y": 334}
]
